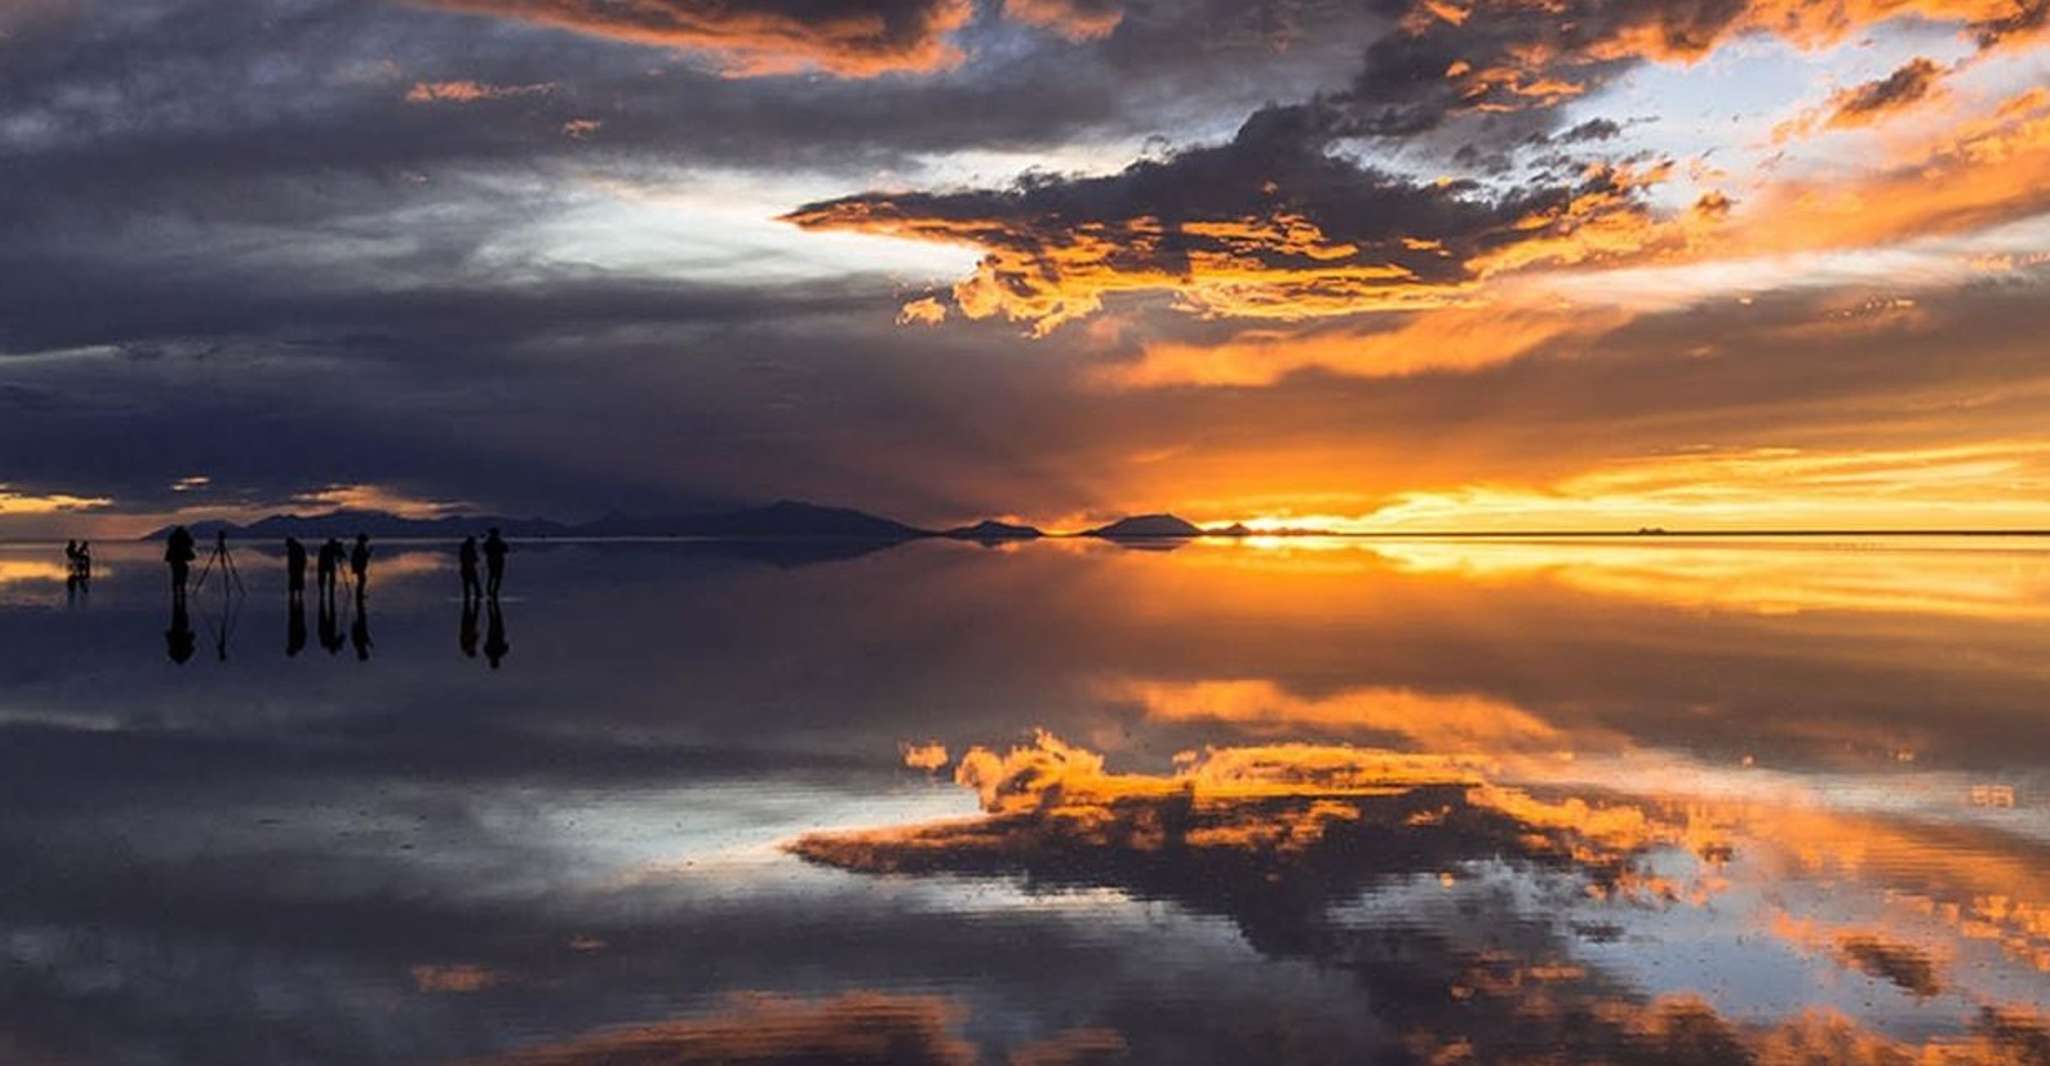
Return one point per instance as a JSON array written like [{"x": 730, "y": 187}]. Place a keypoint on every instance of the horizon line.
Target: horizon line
[{"x": 1220, "y": 534}]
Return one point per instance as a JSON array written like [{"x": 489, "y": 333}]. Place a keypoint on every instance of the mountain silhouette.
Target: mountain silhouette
[
  {"x": 991, "y": 529},
  {"x": 347, "y": 523},
  {"x": 786, "y": 518},
  {"x": 1148, "y": 527}
]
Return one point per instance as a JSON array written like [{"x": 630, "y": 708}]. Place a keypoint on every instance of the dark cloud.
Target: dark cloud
[
  {"x": 855, "y": 38},
  {"x": 856, "y": 1029},
  {"x": 1272, "y": 223},
  {"x": 1874, "y": 100}
]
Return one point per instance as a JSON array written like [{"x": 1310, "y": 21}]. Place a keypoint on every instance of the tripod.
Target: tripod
[{"x": 227, "y": 563}]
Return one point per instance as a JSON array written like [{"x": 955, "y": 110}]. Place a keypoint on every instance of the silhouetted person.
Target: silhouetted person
[
  {"x": 359, "y": 564},
  {"x": 178, "y": 551},
  {"x": 495, "y": 646},
  {"x": 180, "y": 640},
  {"x": 330, "y": 625},
  {"x": 495, "y": 549},
  {"x": 359, "y": 630},
  {"x": 327, "y": 561},
  {"x": 295, "y": 625},
  {"x": 295, "y": 571},
  {"x": 77, "y": 570},
  {"x": 466, "y": 558},
  {"x": 466, "y": 637}
]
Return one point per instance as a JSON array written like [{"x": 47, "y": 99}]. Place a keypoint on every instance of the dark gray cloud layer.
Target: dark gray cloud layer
[{"x": 235, "y": 248}]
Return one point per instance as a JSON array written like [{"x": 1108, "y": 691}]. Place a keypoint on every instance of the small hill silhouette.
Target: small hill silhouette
[
  {"x": 991, "y": 529},
  {"x": 1148, "y": 527}
]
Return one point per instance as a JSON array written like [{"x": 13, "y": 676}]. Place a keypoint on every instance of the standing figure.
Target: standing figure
[
  {"x": 466, "y": 558},
  {"x": 495, "y": 549},
  {"x": 85, "y": 560},
  {"x": 179, "y": 552},
  {"x": 326, "y": 564},
  {"x": 359, "y": 563},
  {"x": 71, "y": 558},
  {"x": 295, "y": 570}
]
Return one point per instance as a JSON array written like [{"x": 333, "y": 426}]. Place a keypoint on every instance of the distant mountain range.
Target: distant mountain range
[{"x": 783, "y": 519}]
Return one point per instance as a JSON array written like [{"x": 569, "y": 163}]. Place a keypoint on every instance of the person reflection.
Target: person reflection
[
  {"x": 295, "y": 625},
  {"x": 466, "y": 635},
  {"x": 179, "y": 552},
  {"x": 330, "y": 624},
  {"x": 466, "y": 558},
  {"x": 495, "y": 646},
  {"x": 359, "y": 630},
  {"x": 295, "y": 569},
  {"x": 179, "y": 640}
]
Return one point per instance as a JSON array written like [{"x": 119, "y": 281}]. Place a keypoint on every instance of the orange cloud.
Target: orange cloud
[
  {"x": 1974, "y": 176},
  {"x": 849, "y": 38},
  {"x": 469, "y": 92},
  {"x": 1443, "y": 339},
  {"x": 1055, "y": 806},
  {"x": 1866, "y": 104},
  {"x": 923, "y": 312},
  {"x": 1077, "y": 20},
  {"x": 859, "y": 1027},
  {"x": 13, "y": 502},
  {"x": 458, "y": 978},
  {"x": 928, "y": 756},
  {"x": 1459, "y": 722}
]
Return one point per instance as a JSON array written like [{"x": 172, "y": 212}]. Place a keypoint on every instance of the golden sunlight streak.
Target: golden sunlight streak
[
  {"x": 1450, "y": 339},
  {"x": 1993, "y": 485},
  {"x": 1459, "y": 722}
]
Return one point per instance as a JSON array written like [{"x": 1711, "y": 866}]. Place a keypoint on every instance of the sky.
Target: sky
[{"x": 1364, "y": 265}]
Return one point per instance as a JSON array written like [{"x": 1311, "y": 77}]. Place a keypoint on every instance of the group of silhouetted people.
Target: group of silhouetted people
[
  {"x": 328, "y": 562},
  {"x": 494, "y": 551},
  {"x": 329, "y": 559}
]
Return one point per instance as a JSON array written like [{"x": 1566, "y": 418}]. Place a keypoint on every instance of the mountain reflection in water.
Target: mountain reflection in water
[{"x": 1275, "y": 800}]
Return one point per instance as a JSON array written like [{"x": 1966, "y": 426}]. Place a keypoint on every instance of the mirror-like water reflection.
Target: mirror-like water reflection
[{"x": 1282, "y": 801}]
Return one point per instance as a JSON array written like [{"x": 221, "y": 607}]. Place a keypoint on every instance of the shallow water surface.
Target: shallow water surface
[{"x": 1434, "y": 801}]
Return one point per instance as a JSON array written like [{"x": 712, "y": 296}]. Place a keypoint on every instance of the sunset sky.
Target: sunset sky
[{"x": 1377, "y": 265}]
